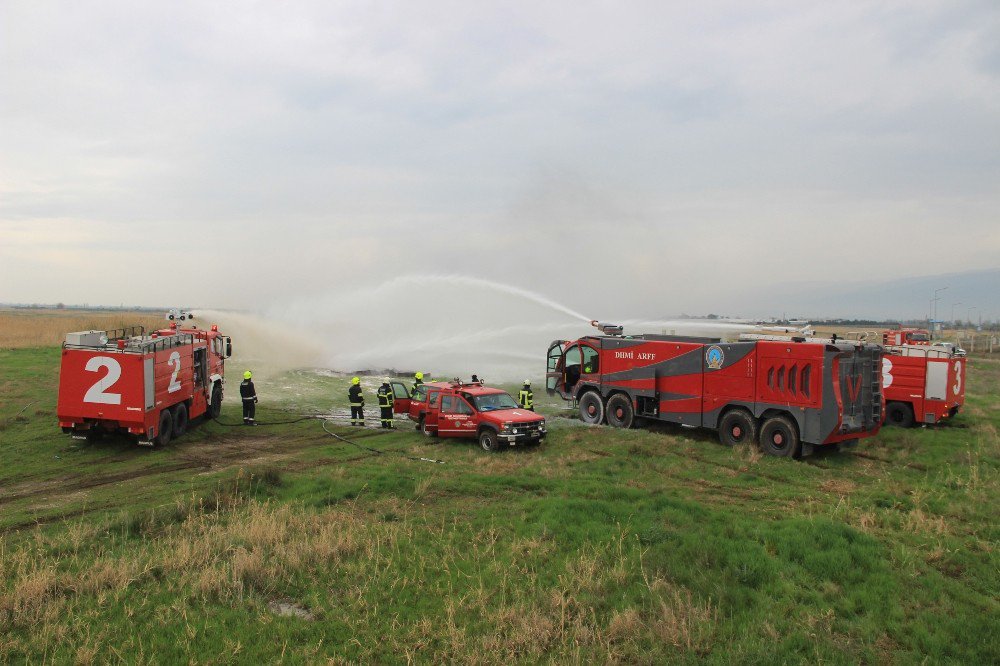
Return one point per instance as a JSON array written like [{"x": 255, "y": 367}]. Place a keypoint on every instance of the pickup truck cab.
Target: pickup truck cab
[{"x": 473, "y": 411}]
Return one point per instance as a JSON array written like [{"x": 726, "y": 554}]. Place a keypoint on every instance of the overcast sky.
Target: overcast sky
[{"x": 639, "y": 159}]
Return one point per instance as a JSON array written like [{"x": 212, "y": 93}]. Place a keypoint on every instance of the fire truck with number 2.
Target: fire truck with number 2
[
  {"x": 789, "y": 394},
  {"x": 147, "y": 386}
]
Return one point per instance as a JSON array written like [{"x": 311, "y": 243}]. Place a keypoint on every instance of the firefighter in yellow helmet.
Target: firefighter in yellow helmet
[
  {"x": 525, "y": 397},
  {"x": 249, "y": 395},
  {"x": 418, "y": 380},
  {"x": 357, "y": 400}
]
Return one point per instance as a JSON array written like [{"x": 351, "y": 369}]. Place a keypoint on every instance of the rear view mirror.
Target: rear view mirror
[{"x": 229, "y": 347}]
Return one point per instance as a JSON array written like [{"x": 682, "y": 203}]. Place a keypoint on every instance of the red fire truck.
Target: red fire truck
[
  {"x": 789, "y": 394},
  {"x": 148, "y": 386},
  {"x": 474, "y": 411},
  {"x": 906, "y": 336},
  {"x": 922, "y": 383}
]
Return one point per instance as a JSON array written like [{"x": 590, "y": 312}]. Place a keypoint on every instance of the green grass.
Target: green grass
[{"x": 643, "y": 546}]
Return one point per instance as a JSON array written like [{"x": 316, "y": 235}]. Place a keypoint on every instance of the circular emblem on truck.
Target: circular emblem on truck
[{"x": 714, "y": 357}]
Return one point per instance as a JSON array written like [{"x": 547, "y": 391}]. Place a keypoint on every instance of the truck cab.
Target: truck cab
[{"x": 471, "y": 411}]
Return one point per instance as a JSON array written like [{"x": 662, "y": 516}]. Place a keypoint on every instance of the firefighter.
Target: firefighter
[
  {"x": 385, "y": 399},
  {"x": 526, "y": 398},
  {"x": 418, "y": 379},
  {"x": 249, "y": 395},
  {"x": 357, "y": 400}
]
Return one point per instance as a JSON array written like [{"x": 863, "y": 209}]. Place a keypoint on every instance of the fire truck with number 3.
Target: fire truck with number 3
[
  {"x": 789, "y": 394},
  {"x": 923, "y": 382},
  {"x": 147, "y": 386}
]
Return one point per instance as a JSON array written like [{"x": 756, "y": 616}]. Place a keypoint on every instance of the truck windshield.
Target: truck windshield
[{"x": 494, "y": 401}]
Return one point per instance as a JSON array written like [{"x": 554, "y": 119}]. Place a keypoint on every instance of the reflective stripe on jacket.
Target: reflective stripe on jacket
[{"x": 384, "y": 397}]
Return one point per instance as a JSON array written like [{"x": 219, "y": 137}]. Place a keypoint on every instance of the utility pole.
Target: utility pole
[
  {"x": 936, "y": 299},
  {"x": 953, "y": 312}
]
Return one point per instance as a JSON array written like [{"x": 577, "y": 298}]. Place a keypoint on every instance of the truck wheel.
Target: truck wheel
[
  {"x": 180, "y": 420},
  {"x": 426, "y": 429},
  {"x": 898, "y": 414},
  {"x": 778, "y": 437},
  {"x": 737, "y": 427},
  {"x": 591, "y": 408},
  {"x": 165, "y": 428},
  {"x": 620, "y": 412},
  {"x": 215, "y": 406},
  {"x": 489, "y": 441}
]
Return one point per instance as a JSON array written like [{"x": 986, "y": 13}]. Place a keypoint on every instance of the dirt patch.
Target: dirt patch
[{"x": 838, "y": 486}]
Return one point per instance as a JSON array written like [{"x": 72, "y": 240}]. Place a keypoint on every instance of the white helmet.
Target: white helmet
[{"x": 527, "y": 382}]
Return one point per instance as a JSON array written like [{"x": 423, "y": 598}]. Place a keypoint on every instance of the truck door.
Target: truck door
[
  {"x": 400, "y": 398},
  {"x": 456, "y": 417},
  {"x": 554, "y": 366},
  {"x": 433, "y": 409}
]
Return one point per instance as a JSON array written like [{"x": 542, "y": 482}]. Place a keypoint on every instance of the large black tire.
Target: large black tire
[
  {"x": 426, "y": 429},
  {"x": 619, "y": 412},
  {"x": 180, "y": 420},
  {"x": 591, "y": 408},
  {"x": 779, "y": 437},
  {"x": 488, "y": 440},
  {"x": 899, "y": 414},
  {"x": 737, "y": 426},
  {"x": 165, "y": 428},
  {"x": 215, "y": 406}
]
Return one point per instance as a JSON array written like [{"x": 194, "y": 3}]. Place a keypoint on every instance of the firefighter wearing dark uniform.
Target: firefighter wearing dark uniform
[
  {"x": 418, "y": 379},
  {"x": 357, "y": 400},
  {"x": 526, "y": 398},
  {"x": 249, "y": 395},
  {"x": 385, "y": 399}
]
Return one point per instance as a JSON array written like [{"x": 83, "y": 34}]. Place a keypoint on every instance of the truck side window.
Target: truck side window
[
  {"x": 462, "y": 407},
  {"x": 591, "y": 359},
  {"x": 446, "y": 404},
  {"x": 432, "y": 399}
]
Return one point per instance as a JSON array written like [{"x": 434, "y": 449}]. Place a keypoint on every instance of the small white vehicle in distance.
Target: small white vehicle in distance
[{"x": 178, "y": 314}]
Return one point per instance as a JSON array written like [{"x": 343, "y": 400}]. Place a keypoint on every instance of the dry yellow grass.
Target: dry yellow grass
[
  {"x": 43, "y": 328},
  {"x": 237, "y": 556}
]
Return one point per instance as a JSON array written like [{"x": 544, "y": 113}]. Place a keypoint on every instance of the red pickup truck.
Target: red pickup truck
[{"x": 455, "y": 409}]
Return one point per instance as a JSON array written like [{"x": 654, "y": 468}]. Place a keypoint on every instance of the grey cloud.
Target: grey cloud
[{"x": 639, "y": 157}]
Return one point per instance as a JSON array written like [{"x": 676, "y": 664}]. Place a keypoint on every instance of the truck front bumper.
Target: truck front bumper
[{"x": 522, "y": 434}]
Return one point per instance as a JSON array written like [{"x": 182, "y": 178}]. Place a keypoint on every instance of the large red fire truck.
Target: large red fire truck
[
  {"x": 789, "y": 394},
  {"x": 474, "y": 411},
  {"x": 148, "y": 386},
  {"x": 922, "y": 383}
]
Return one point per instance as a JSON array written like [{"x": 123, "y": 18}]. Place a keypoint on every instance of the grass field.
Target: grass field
[{"x": 645, "y": 546}]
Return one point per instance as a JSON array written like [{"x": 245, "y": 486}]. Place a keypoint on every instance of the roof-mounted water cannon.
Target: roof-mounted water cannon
[{"x": 607, "y": 329}]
